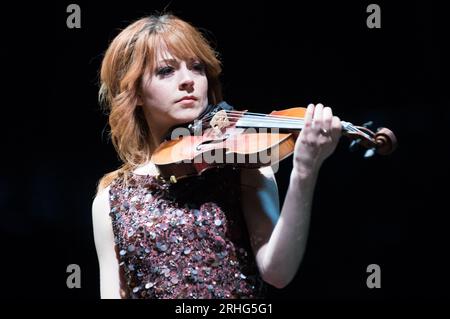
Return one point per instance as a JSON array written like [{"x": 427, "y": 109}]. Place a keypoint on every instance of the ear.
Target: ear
[{"x": 139, "y": 101}]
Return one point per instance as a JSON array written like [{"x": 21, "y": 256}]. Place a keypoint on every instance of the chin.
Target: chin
[
  {"x": 187, "y": 115},
  {"x": 190, "y": 112}
]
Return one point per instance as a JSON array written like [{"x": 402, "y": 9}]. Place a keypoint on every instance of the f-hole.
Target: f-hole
[{"x": 216, "y": 141}]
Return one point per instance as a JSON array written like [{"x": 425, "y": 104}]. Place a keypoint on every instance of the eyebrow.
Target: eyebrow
[{"x": 169, "y": 61}]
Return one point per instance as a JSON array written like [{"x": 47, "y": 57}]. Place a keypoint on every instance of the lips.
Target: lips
[{"x": 188, "y": 98}]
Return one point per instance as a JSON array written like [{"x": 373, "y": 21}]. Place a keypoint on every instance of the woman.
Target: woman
[{"x": 220, "y": 235}]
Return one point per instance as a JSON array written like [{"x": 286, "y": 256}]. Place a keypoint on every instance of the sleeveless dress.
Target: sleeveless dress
[{"x": 184, "y": 240}]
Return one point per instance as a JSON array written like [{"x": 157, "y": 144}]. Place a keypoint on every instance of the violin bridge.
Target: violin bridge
[{"x": 220, "y": 120}]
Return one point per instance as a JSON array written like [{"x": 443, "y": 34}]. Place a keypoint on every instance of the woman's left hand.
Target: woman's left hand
[{"x": 317, "y": 140}]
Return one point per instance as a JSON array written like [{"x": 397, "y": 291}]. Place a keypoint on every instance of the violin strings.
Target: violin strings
[
  {"x": 251, "y": 122},
  {"x": 264, "y": 115},
  {"x": 291, "y": 120},
  {"x": 257, "y": 115},
  {"x": 269, "y": 118},
  {"x": 252, "y": 117},
  {"x": 259, "y": 119},
  {"x": 242, "y": 113},
  {"x": 349, "y": 127}
]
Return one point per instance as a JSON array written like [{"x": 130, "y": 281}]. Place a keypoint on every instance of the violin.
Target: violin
[{"x": 244, "y": 139}]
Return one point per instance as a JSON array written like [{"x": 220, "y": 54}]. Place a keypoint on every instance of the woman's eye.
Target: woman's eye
[
  {"x": 165, "y": 70},
  {"x": 198, "y": 66}
]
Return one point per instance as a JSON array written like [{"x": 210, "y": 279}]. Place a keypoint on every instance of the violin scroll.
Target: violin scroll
[
  {"x": 386, "y": 141},
  {"x": 382, "y": 142}
]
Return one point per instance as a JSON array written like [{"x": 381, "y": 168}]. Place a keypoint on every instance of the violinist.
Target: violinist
[{"x": 219, "y": 235}]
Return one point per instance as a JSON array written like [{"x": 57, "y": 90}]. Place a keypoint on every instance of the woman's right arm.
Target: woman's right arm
[{"x": 104, "y": 244}]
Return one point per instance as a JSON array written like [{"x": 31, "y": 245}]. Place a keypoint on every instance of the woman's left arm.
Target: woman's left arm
[{"x": 279, "y": 239}]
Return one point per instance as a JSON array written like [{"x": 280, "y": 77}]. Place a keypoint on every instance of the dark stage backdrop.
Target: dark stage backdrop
[{"x": 390, "y": 211}]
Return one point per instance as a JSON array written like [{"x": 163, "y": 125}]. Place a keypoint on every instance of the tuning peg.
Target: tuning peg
[
  {"x": 354, "y": 145},
  {"x": 370, "y": 152},
  {"x": 367, "y": 124}
]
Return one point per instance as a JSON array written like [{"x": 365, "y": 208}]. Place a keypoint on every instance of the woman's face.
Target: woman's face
[{"x": 175, "y": 92}]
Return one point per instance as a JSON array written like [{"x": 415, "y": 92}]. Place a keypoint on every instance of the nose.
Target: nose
[{"x": 186, "y": 80}]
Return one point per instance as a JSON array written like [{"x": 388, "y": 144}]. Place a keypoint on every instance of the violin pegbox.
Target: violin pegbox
[{"x": 382, "y": 142}]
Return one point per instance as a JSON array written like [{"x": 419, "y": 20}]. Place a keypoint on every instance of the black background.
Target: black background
[{"x": 389, "y": 211}]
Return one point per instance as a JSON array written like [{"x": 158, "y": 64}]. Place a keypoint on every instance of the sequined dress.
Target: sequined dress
[{"x": 183, "y": 240}]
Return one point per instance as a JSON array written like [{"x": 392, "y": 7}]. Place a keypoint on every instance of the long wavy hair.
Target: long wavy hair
[{"x": 131, "y": 54}]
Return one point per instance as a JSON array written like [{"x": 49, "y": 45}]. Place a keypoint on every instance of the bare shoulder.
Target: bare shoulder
[
  {"x": 100, "y": 205},
  {"x": 101, "y": 221},
  {"x": 146, "y": 169},
  {"x": 100, "y": 215}
]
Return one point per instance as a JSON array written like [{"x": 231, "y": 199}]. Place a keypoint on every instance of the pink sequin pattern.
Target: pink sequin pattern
[{"x": 170, "y": 248}]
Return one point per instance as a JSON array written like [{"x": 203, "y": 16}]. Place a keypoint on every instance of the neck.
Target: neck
[{"x": 157, "y": 130}]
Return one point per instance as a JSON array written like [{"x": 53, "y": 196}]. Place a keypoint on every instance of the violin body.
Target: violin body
[{"x": 240, "y": 140}]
